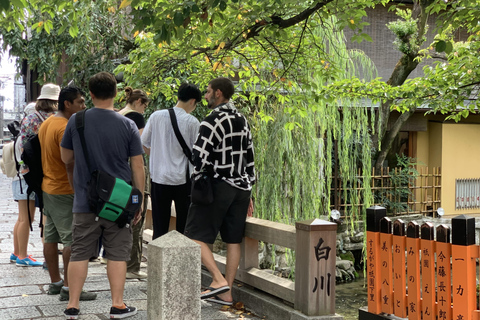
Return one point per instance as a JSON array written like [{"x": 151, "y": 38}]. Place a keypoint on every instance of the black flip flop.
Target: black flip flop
[
  {"x": 218, "y": 300},
  {"x": 214, "y": 291}
]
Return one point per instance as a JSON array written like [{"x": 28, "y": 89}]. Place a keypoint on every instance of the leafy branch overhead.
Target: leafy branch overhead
[
  {"x": 450, "y": 83},
  {"x": 273, "y": 47},
  {"x": 234, "y": 22}
]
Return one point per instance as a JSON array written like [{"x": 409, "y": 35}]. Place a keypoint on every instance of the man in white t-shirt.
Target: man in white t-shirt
[{"x": 168, "y": 162}]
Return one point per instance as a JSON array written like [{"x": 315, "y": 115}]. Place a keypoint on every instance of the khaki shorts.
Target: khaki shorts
[
  {"x": 58, "y": 211},
  {"x": 117, "y": 242}
]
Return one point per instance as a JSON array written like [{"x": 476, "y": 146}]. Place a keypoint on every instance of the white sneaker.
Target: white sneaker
[{"x": 136, "y": 275}]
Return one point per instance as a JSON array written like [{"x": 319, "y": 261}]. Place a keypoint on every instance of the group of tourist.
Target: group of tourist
[{"x": 178, "y": 145}]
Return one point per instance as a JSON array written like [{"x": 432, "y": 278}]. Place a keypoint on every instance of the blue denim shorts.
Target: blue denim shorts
[{"x": 21, "y": 194}]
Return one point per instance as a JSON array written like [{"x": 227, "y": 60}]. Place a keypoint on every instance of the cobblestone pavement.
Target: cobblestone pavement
[{"x": 23, "y": 290}]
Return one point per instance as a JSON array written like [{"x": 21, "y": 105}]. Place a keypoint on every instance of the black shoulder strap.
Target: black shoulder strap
[
  {"x": 17, "y": 165},
  {"x": 186, "y": 150},
  {"x": 80, "y": 125}
]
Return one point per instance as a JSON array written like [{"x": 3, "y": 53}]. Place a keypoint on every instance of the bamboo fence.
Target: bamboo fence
[{"x": 420, "y": 197}]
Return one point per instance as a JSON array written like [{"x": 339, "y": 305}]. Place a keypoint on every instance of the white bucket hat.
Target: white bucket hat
[{"x": 49, "y": 91}]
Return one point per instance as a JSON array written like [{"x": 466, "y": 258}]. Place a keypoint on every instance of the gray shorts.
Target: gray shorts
[
  {"x": 17, "y": 192},
  {"x": 59, "y": 217},
  {"x": 117, "y": 242}
]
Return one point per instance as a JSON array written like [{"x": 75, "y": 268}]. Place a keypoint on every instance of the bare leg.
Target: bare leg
[
  {"x": 44, "y": 221},
  {"x": 77, "y": 274},
  {"x": 22, "y": 227},
  {"x": 116, "y": 271},
  {"x": 233, "y": 259},
  {"x": 66, "y": 261},
  {"x": 50, "y": 252},
  {"x": 209, "y": 262},
  {"x": 15, "y": 238}
]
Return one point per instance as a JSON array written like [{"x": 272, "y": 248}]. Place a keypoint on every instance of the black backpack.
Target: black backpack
[{"x": 32, "y": 157}]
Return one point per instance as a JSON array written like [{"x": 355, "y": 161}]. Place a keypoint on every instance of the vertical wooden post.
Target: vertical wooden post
[
  {"x": 444, "y": 289},
  {"x": 386, "y": 262},
  {"x": 400, "y": 291},
  {"x": 428, "y": 271},
  {"x": 374, "y": 215},
  {"x": 414, "y": 305},
  {"x": 315, "y": 267},
  {"x": 463, "y": 267},
  {"x": 249, "y": 257}
]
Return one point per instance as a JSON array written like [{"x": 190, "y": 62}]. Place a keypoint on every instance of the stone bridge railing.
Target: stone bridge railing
[{"x": 314, "y": 242}]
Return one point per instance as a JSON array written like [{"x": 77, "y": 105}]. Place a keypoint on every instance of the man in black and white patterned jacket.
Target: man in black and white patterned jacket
[{"x": 224, "y": 148}]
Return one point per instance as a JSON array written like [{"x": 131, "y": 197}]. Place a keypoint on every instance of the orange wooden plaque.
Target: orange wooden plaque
[
  {"x": 399, "y": 281},
  {"x": 444, "y": 291},
  {"x": 386, "y": 272},
  {"x": 373, "y": 272}
]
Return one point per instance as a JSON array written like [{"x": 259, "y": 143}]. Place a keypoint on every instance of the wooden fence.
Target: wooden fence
[
  {"x": 410, "y": 274},
  {"x": 421, "y": 197}
]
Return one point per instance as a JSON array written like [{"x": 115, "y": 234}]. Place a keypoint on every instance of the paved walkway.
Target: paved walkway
[{"x": 23, "y": 290}]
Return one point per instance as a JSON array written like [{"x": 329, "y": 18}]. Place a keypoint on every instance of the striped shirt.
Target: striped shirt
[{"x": 224, "y": 146}]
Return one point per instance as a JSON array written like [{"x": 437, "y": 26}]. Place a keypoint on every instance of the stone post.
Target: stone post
[
  {"x": 174, "y": 279},
  {"x": 315, "y": 267}
]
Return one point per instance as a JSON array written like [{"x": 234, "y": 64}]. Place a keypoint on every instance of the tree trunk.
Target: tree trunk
[
  {"x": 404, "y": 67},
  {"x": 390, "y": 137}
]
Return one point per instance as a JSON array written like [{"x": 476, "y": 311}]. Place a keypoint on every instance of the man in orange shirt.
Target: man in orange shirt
[{"x": 57, "y": 191}]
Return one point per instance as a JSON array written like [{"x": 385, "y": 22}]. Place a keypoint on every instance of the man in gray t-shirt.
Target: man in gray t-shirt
[{"x": 112, "y": 140}]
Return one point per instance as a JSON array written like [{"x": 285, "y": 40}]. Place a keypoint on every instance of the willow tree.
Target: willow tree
[
  {"x": 294, "y": 152},
  {"x": 294, "y": 128}
]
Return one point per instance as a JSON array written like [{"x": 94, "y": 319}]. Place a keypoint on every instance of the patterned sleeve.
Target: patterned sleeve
[{"x": 207, "y": 139}]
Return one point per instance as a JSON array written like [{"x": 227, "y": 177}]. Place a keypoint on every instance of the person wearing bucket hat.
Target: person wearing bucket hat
[
  {"x": 45, "y": 106},
  {"x": 49, "y": 91}
]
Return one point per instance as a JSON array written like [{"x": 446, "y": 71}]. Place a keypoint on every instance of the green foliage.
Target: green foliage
[
  {"x": 447, "y": 87},
  {"x": 102, "y": 37},
  {"x": 237, "y": 21},
  {"x": 457, "y": 14},
  {"x": 294, "y": 151},
  {"x": 395, "y": 199},
  {"x": 405, "y": 31},
  {"x": 294, "y": 127}
]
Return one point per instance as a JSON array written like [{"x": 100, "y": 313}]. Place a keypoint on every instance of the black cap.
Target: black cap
[
  {"x": 374, "y": 215},
  {"x": 463, "y": 230}
]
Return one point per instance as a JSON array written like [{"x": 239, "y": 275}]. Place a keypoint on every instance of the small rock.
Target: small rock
[{"x": 359, "y": 237}]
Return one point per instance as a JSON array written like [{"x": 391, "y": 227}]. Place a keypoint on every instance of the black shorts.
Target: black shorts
[{"x": 226, "y": 214}]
